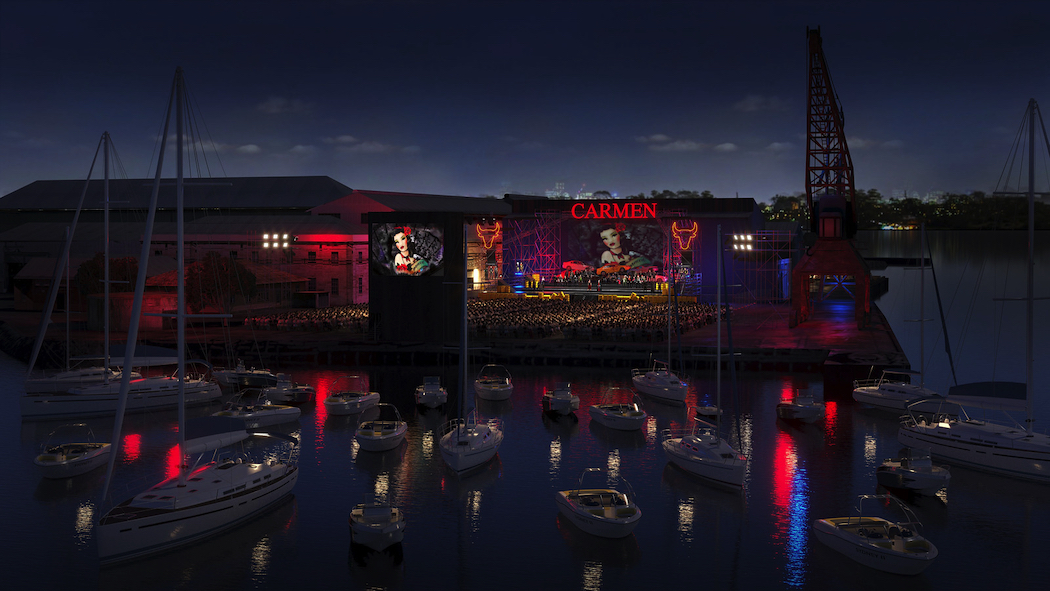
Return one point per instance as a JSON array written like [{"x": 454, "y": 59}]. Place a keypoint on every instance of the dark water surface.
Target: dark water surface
[{"x": 500, "y": 527}]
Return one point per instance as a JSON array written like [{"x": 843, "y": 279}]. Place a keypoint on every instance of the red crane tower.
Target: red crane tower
[{"x": 830, "y": 249}]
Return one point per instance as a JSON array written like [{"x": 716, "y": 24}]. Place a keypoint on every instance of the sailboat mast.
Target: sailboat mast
[
  {"x": 672, "y": 287},
  {"x": 180, "y": 313},
  {"x": 718, "y": 325},
  {"x": 463, "y": 337},
  {"x": 922, "y": 306},
  {"x": 105, "y": 255},
  {"x": 136, "y": 306},
  {"x": 1030, "y": 295}
]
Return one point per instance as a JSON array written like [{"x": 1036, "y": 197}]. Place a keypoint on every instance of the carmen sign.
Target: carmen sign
[{"x": 614, "y": 211}]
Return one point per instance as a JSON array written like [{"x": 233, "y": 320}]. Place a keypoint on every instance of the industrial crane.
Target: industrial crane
[{"x": 830, "y": 250}]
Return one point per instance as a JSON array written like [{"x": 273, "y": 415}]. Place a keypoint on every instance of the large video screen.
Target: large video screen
[
  {"x": 410, "y": 250},
  {"x": 611, "y": 245}
]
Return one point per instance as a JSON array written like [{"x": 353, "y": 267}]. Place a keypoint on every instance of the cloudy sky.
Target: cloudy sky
[{"x": 482, "y": 98}]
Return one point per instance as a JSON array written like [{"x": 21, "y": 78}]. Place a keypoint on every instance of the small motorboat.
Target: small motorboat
[
  {"x": 891, "y": 546},
  {"x": 801, "y": 407},
  {"x": 431, "y": 393},
  {"x": 382, "y": 433},
  {"x": 561, "y": 400},
  {"x": 913, "y": 471},
  {"x": 259, "y": 412},
  {"x": 65, "y": 460},
  {"x": 348, "y": 397},
  {"x": 622, "y": 416},
  {"x": 288, "y": 392},
  {"x": 493, "y": 383},
  {"x": 603, "y": 512},
  {"x": 376, "y": 525},
  {"x": 707, "y": 411}
]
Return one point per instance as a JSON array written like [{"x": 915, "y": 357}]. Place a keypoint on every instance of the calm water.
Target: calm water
[{"x": 501, "y": 526}]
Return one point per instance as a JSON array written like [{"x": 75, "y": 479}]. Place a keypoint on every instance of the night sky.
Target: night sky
[{"x": 483, "y": 98}]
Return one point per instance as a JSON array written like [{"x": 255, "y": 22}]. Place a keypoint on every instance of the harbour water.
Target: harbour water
[{"x": 500, "y": 527}]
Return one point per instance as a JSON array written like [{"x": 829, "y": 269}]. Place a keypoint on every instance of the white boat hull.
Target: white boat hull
[
  {"x": 712, "y": 466},
  {"x": 376, "y": 527},
  {"x": 465, "y": 447},
  {"x": 988, "y": 447},
  {"x": 381, "y": 439},
  {"x": 125, "y": 534},
  {"x": 923, "y": 482},
  {"x": 431, "y": 398},
  {"x": 657, "y": 385},
  {"x": 601, "y": 521},
  {"x": 897, "y": 398},
  {"x": 102, "y": 400},
  {"x": 630, "y": 419},
  {"x": 73, "y": 459},
  {"x": 263, "y": 416},
  {"x": 806, "y": 413},
  {"x": 902, "y": 556},
  {"x": 493, "y": 391},
  {"x": 341, "y": 404}
]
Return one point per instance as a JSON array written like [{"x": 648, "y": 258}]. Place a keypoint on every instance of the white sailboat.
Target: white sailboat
[
  {"x": 1007, "y": 449},
  {"x": 898, "y": 389},
  {"x": 201, "y": 501},
  {"x": 703, "y": 451},
  {"x": 466, "y": 443},
  {"x": 659, "y": 381},
  {"x": 41, "y": 391}
]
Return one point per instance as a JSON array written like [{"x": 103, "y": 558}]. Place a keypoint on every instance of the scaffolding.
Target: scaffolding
[{"x": 761, "y": 266}]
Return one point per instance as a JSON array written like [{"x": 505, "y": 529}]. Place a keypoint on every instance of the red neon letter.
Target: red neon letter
[{"x": 574, "y": 214}]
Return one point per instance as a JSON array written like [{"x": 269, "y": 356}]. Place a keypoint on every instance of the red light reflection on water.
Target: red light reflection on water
[
  {"x": 791, "y": 506},
  {"x": 132, "y": 447},
  {"x": 172, "y": 462},
  {"x": 831, "y": 416},
  {"x": 321, "y": 391}
]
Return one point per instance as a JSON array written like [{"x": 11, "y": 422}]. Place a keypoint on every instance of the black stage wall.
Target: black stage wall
[{"x": 415, "y": 298}]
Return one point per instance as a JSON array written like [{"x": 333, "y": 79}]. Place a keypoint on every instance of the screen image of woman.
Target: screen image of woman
[
  {"x": 618, "y": 248},
  {"x": 406, "y": 261}
]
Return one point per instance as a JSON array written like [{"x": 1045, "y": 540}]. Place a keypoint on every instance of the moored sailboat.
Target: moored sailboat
[
  {"x": 467, "y": 443},
  {"x": 200, "y": 501},
  {"x": 1007, "y": 449}
]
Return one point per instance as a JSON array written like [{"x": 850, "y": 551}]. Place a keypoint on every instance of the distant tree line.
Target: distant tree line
[{"x": 973, "y": 211}]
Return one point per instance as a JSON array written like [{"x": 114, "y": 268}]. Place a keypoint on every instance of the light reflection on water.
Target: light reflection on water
[{"x": 501, "y": 524}]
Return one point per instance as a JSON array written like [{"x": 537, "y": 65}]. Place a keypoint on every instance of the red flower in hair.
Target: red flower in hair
[{"x": 620, "y": 227}]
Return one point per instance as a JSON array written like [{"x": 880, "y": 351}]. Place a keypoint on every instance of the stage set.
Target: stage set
[{"x": 583, "y": 249}]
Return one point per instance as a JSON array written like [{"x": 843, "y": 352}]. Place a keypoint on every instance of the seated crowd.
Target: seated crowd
[{"x": 522, "y": 318}]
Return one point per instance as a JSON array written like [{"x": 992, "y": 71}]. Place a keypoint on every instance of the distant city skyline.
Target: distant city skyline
[{"x": 485, "y": 98}]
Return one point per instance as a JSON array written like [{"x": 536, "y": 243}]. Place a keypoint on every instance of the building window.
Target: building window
[
  {"x": 360, "y": 256},
  {"x": 255, "y": 256},
  {"x": 311, "y": 284},
  {"x": 335, "y": 286},
  {"x": 289, "y": 256},
  {"x": 311, "y": 257},
  {"x": 360, "y": 285},
  {"x": 335, "y": 257}
]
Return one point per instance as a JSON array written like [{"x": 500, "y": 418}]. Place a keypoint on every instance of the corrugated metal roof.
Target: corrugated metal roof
[
  {"x": 297, "y": 192},
  {"x": 421, "y": 202}
]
